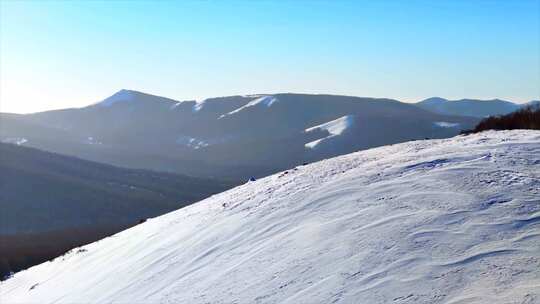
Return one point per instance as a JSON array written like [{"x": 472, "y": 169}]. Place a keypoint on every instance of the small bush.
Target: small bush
[{"x": 526, "y": 118}]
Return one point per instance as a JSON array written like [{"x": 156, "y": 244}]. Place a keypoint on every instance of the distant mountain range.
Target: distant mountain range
[
  {"x": 51, "y": 203},
  {"x": 472, "y": 107},
  {"x": 231, "y": 137}
]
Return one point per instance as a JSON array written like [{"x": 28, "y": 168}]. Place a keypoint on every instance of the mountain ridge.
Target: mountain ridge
[
  {"x": 469, "y": 107},
  {"x": 205, "y": 138}
]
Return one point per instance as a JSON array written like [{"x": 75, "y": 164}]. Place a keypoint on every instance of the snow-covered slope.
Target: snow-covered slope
[
  {"x": 437, "y": 221},
  {"x": 122, "y": 95},
  {"x": 267, "y": 101},
  {"x": 334, "y": 128}
]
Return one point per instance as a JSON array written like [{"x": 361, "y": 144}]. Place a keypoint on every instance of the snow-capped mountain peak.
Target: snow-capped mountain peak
[{"x": 120, "y": 96}]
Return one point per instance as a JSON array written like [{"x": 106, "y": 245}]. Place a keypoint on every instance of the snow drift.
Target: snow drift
[{"x": 437, "y": 221}]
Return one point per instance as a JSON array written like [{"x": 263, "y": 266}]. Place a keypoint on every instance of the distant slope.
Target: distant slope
[
  {"x": 438, "y": 221},
  {"x": 533, "y": 104},
  {"x": 59, "y": 201},
  {"x": 208, "y": 138},
  {"x": 64, "y": 191},
  {"x": 468, "y": 107}
]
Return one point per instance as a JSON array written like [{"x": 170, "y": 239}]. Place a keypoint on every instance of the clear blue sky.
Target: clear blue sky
[{"x": 56, "y": 54}]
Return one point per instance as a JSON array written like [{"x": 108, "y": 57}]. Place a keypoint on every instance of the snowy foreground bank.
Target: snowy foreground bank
[{"x": 437, "y": 221}]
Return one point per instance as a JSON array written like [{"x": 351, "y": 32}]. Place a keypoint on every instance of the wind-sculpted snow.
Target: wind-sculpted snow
[{"x": 436, "y": 221}]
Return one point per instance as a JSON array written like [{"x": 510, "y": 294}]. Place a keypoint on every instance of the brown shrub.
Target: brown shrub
[{"x": 526, "y": 118}]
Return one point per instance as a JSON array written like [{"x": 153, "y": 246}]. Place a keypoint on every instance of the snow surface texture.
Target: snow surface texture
[
  {"x": 436, "y": 221},
  {"x": 267, "y": 101},
  {"x": 334, "y": 128}
]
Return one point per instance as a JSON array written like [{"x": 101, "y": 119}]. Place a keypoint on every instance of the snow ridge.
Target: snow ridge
[{"x": 435, "y": 221}]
